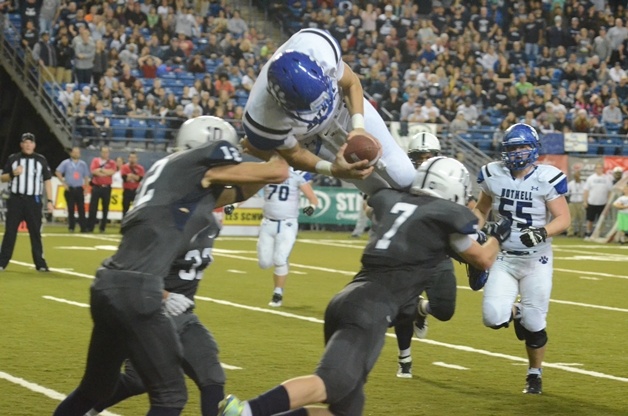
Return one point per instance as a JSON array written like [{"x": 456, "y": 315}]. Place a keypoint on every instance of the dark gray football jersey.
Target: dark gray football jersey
[
  {"x": 413, "y": 229},
  {"x": 187, "y": 269},
  {"x": 169, "y": 198}
]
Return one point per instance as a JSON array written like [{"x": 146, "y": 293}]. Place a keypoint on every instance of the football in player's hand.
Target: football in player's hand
[{"x": 363, "y": 146}]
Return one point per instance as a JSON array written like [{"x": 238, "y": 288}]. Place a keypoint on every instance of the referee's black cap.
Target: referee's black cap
[{"x": 28, "y": 136}]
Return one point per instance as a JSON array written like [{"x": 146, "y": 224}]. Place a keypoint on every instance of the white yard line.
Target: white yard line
[
  {"x": 36, "y": 388},
  {"x": 452, "y": 366},
  {"x": 85, "y": 305}
]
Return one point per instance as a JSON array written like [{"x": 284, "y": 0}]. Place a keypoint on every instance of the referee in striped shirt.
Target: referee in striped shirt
[{"x": 29, "y": 176}]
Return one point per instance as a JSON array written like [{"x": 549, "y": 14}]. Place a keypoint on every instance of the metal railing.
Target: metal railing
[{"x": 24, "y": 71}]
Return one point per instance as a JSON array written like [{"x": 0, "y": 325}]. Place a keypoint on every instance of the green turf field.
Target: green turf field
[{"x": 462, "y": 368}]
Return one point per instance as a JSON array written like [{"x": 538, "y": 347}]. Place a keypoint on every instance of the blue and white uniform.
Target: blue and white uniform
[
  {"x": 268, "y": 126},
  {"x": 279, "y": 228},
  {"x": 519, "y": 269}
]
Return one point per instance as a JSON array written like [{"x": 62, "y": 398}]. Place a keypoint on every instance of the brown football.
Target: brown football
[{"x": 363, "y": 147}]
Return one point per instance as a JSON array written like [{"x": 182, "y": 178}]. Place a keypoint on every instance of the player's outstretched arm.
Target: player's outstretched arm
[
  {"x": 483, "y": 208},
  {"x": 354, "y": 95},
  {"x": 276, "y": 170}
]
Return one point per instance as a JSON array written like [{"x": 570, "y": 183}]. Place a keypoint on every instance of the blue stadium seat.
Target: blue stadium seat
[
  {"x": 139, "y": 128},
  {"x": 118, "y": 128},
  {"x": 159, "y": 131},
  {"x": 186, "y": 76}
]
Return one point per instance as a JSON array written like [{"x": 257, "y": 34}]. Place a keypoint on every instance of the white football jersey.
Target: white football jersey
[
  {"x": 263, "y": 116},
  {"x": 523, "y": 200},
  {"x": 281, "y": 201}
]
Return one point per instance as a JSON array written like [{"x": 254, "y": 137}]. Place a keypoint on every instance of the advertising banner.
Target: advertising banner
[{"x": 339, "y": 206}]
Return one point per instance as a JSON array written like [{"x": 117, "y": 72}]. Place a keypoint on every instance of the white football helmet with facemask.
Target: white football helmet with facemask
[
  {"x": 443, "y": 177},
  {"x": 203, "y": 129},
  {"x": 423, "y": 146}
]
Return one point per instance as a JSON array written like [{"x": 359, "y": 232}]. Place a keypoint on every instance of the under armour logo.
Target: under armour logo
[
  {"x": 544, "y": 259},
  {"x": 535, "y": 188}
]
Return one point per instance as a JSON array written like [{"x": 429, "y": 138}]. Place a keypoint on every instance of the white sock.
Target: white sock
[
  {"x": 278, "y": 291},
  {"x": 92, "y": 412},
  {"x": 536, "y": 371},
  {"x": 405, "y": 353},
  {"x": 247, "y": 410}
]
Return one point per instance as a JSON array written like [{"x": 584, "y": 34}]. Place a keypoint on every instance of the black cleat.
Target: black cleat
[
  {"x": 534, "y": 384},
  {"x": 276, "y": 301}
]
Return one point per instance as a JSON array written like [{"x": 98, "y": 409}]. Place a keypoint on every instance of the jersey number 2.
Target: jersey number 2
[
  {"x": 146, "y": 191},
  {"x": 405, "y": 210}
]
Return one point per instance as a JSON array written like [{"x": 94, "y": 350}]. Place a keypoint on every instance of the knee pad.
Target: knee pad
[
  {"x": 281, "y": 270},
  {"x": 443, "y": 311},
  {"x": 264, "y": 264},
  {"x": 536, "y": 340}
]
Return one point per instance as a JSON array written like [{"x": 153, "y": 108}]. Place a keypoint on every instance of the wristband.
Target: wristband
[
  {"x": 357, "y": 121},
  {"x": 323, "y": 167}
]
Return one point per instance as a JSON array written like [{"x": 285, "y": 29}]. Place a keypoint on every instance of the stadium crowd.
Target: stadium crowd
[{"x": 476, "y": 65}]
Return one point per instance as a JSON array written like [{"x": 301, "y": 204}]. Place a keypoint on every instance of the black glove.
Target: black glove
[
  {"x": 499, "y": 229},
  {"x": 228, "y": 209},
  {"x": 481, "y": 238},
  {"x": 309, "y": 210},
  {"x": 477, "y": 277},
  {"x": 533, "y": 236}
]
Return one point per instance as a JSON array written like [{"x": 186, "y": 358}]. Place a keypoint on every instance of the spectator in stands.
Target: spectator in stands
[
  {"x": 64, "y": 55},
  {"x": 612, "y": 113},
  {"x": 617, "y": 72},
  {"x": 196, "y": 65},
  {"x": 597, "y": 190},
  {"x": 602, "y": 45},
  {"x": 369, "y": 18},
  {"x": 393, "y": 104},
  {"x": 469, "y": 110},
  {"x": 623, "y": 130},
  {"x": 100, "y": 125},
  {"x": 557, "y": 36},
  {"x": 101, "y": 61},
  {"x": 459, "y": 124},
  {"x": 127, "y": 78},
  {"x": 134, "y": 15},
  {"x": 128, "y": 56},
  {"x": 581, "y": 122},
  {"x": 185, "y": 23},
  {"x": 212, "y": 50},
  {"x": 193, "y": 105},
  {"x": 46, "y": 57},
  {"x": 174, "y": 54},
  {"x": 30, "y": 35},
  {"x": 236, "y": 25},
  {"x": 84, "y": 52},
  {"x": 148, "y": 66},
  {"x": 386, "y": 21},
  {"x": 223, "y": 84},
  {"x": 409, "y": 106},
  {"x": 616, "y": 36}
]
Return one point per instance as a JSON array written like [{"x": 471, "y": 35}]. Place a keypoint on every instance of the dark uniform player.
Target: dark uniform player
[
  {"x": 200, "y": 350},
  {"x": 29, "y": 176},
  {"x": 175, "y": 200},
  {"x": 411, "y": 235}
]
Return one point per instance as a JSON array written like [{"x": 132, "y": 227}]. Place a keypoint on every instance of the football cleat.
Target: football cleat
[
  {"x": 276, "y": 301},
  {"x": 534, "y": 384},
  {"x": 405, "y": 367},
  {"x": 420, "y": 322},
  {"x": 231, "y": 406}
]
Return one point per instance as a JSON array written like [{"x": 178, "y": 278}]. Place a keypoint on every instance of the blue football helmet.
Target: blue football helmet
[
  {"x": 300, "y": 87},
  {"x": 520, "y": 134}
]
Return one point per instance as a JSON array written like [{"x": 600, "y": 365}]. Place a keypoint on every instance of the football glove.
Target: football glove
[
  {"x": 228, "y": 209},
  {"x": 176, "y": 303},
  {"x": 477, "y": 277},
  {"x": 533, "y": 236},
  {"x": 309, "y": 210},
  {"x": 499, "y": 229}
]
